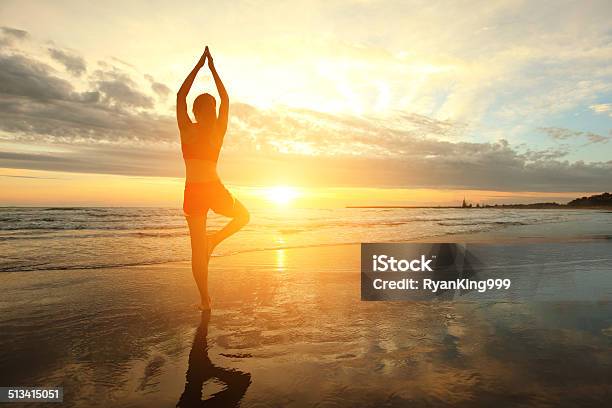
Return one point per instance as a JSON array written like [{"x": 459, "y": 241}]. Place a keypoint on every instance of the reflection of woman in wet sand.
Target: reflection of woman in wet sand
[
  {"x": 201, "y": 143},
  {"x": 201, "y": 369}
]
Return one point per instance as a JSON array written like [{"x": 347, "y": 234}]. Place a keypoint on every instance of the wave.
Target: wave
[
  {"x": 45, "y": 267},
  {"x": 112, "y": 238},
  {"x": 505, "y": 223},
  {"x": 36, "y": 268},
  {"x": 61, "y": 209},
  {"x": 135, "y": 234},
  {"x": 89, "y": 227},
  {"x": 48, "y": 267}
]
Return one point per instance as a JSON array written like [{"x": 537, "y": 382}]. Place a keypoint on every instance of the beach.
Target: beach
[
  {"x": 288, "y": 329},
  {"x": 306, "y": 204}
]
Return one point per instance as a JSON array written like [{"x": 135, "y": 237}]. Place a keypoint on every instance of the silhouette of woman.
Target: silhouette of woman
[
  {"x": 201, "y": 369},
  {"x": 201, "y": 143}
]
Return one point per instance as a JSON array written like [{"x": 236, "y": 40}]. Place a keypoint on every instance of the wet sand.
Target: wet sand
[{"x": 288, "y": 329}]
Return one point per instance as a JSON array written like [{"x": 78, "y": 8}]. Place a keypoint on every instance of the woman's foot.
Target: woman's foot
[
  {"x": 200, "y": 307},
  {"x": 205, "y": 306}
]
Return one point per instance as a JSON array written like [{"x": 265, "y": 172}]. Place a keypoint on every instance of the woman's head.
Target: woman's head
[{"x": 205, "y": 108}]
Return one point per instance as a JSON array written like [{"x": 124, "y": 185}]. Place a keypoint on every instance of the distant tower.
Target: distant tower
[{"x": 464, "y": 204}]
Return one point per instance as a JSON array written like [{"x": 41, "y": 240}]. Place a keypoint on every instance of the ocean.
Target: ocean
[
  {"x": 288, "y": 327},
  {"x": 88, "y": 238}
]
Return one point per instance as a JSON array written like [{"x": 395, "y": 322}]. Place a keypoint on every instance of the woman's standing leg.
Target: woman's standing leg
[{"x": 199, "y": 256}]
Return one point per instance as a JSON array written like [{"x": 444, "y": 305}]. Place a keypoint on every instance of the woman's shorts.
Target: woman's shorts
[{"x": 200, "y": 197}]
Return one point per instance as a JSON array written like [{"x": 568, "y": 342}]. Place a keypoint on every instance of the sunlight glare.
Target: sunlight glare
[{"x": 281, "y": 195}]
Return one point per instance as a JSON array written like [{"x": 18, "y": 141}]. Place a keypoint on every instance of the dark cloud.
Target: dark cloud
[
  {"x": 121, "y": 93},
  {"x": 501, "y": 170},
  {"x": 75, "y": 64},
  {"x": 119, "y": 89},
  {"x": 22, "y": 76},
  {"x": 100, "y": 160},
  {"x": 84, "y": 122},
  {"x": 10, "y": 35},
  {"x": 38, "y": 107},
  {"x": 15, "y": 32}
]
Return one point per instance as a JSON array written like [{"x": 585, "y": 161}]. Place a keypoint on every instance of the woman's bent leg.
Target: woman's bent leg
[
  {"x": 239, "y": 218},
  {"x": 199, "y": 256}
]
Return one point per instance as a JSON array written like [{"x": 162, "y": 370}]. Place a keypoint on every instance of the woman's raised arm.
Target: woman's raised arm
[
  {"x": 224, "y": 105},
  {"x": 182, "y": 117}
]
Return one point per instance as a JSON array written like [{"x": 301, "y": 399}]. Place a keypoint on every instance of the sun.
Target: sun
[{"x": 281, "y": 195}]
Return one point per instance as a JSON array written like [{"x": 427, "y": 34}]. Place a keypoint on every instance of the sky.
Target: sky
[{"x": 345, "y": 102}]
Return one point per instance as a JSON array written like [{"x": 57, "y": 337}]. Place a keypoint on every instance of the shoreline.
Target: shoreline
[{"x": 564, "y": 231}]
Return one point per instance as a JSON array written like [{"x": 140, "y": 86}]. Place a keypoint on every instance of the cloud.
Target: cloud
[
  {"x": 315, "y": 149},
  {"x": 602, "y": 108},
  {"x": 160, "y": 89},
  {"x": 22, "y": 76},
  {"x": 75, "y": 64},
  {"x": 120, "y": 89},
  {"x": 565, "y": 134},
  {"x": 11, "y": 35},
  {"x": 121, "y": 92},
  {"x": 15, "y": 32},
  {"x": 107, "y": 121},
  {"x": 348, "y": 151},
  {"x": 99, "y": 160},
  {"x": 28, "y": 177},
  {"x": 36, "y": 106},
  {"x": 595, "y": 138}
]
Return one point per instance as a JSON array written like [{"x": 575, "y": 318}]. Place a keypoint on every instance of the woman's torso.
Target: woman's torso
[{"x": 200, "y": 153}]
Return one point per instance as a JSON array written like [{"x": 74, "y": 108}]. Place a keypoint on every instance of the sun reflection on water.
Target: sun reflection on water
[{"x": 280, "y": 260}]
